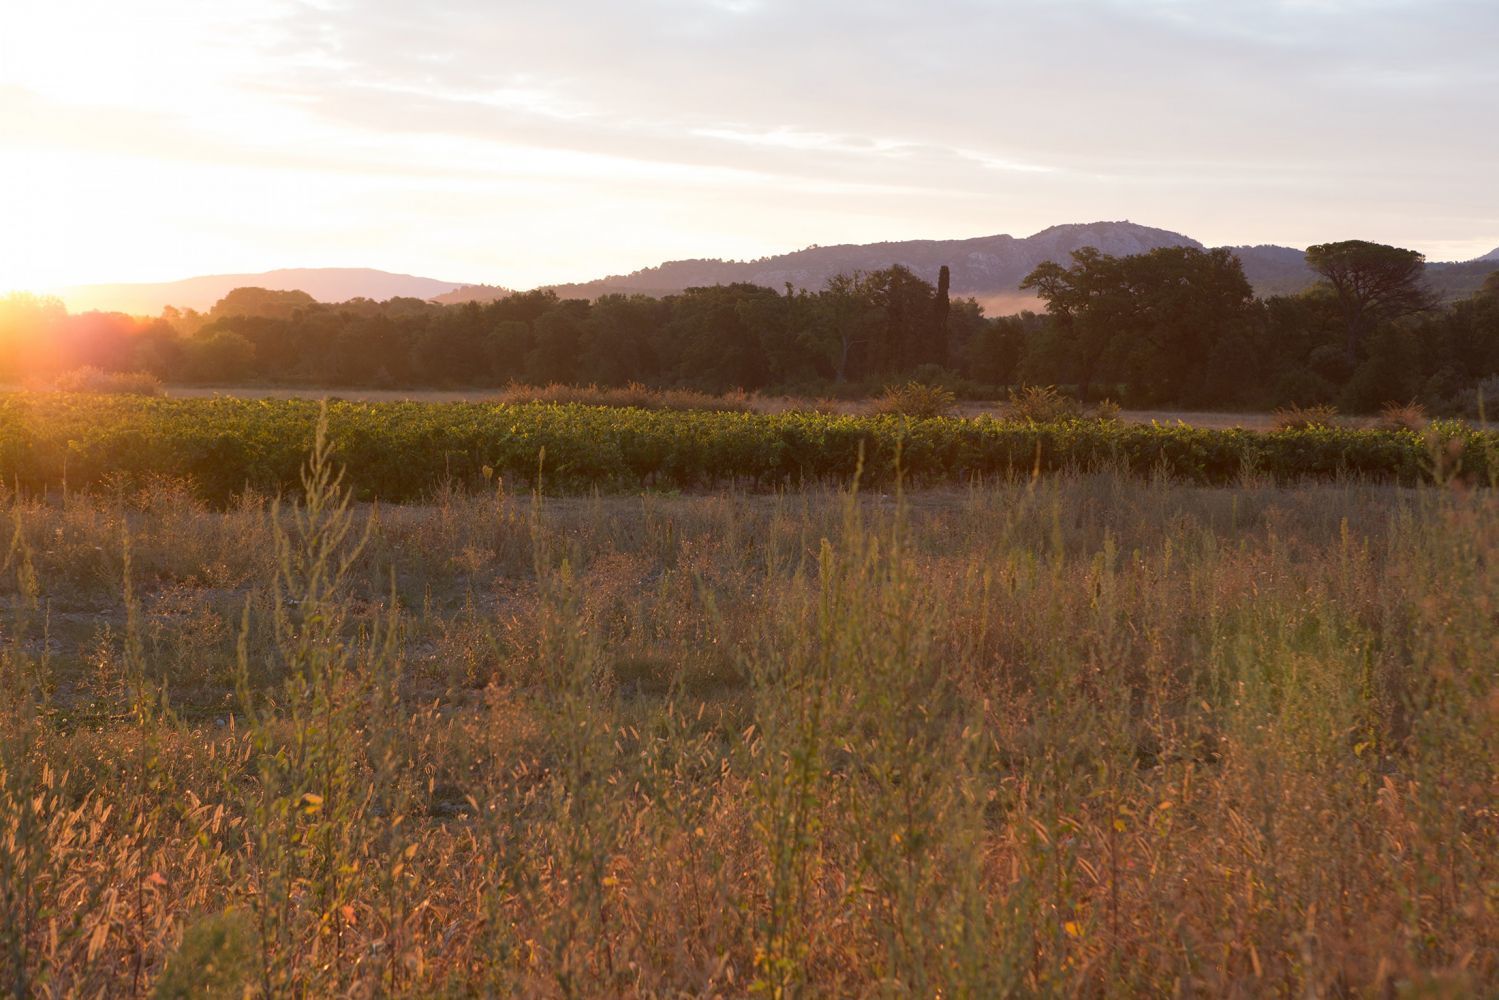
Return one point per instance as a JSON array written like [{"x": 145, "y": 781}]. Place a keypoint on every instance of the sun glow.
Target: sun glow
[{"x": 155, "y": 140}]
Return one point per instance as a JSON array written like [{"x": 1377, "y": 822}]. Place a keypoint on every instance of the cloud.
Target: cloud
[
  {"x": 1067, "y": 83},
  {"x": 776, "y": 123}
]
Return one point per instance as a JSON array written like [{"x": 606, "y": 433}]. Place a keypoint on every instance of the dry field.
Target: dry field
[{"x": 1085, "y": 735}]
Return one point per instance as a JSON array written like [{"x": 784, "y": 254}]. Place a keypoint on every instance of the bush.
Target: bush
[
  {"x": 89, "y": 379},
  {"x": 220, "y": 356},
  {"x": 915, "y": 399},
  {"x": 1301, "y": 418},
  {"x": 216, "y": 959},
  {"x": 1403, "y": 417},
  {"x": 1106, "y": 410},
  {"x": 1042, "y": 404},
  {"x": 635, "y": 394},
  {"x": 1482, "y": 401},
  {"x": 405, "y": 451}
]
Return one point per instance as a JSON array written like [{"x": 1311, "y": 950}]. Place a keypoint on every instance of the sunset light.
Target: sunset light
[
  {"x": 519, "y": 145},
  {"x": 749, "y": 499}
]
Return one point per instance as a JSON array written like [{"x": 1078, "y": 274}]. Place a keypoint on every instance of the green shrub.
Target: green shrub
[
  {"x": 215, "y": 960},
  {"x": 408, "y": 451}
]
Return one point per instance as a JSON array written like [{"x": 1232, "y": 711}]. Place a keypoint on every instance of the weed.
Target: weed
[
  {"x": 1041, "y": 405},
  {"x": 1301, "y": 418}
]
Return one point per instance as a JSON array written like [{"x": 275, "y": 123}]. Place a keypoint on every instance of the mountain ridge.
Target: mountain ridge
[
  {"x": 988, "y": 268},
  {"x": 326, "y": 284}
]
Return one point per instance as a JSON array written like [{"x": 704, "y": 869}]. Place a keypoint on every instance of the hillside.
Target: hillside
[
  {"x": 989, "y": 268},
  {"x": 326, "y": 284},
  {"x": 472, "y": 293},
  {"x": 982, "y": 267}
]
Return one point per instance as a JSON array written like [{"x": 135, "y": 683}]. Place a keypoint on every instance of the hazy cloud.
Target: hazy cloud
[{"x": 773, "y": 124}]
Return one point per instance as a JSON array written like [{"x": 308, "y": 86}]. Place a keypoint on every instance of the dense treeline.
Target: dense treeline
[{"x": 1176, "y": 326}]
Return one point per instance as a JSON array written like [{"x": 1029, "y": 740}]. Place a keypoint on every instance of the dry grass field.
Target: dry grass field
[{"x": 1082, "y": 735}]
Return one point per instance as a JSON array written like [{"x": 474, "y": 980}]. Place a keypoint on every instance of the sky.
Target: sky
[{"x": 520, "y": 143}]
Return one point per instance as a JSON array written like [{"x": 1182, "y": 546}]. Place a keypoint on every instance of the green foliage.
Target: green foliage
[
  {"x": 308, "y": 800},
  {"x": 218, "y": 355},
  {"x": 265, "y": 302},
  {"x": 1152, "y": 319},
  {"x": 407, "y": 451},
  {"x": 1372, "y": 282},
  {"x": 633, "y": 395},
  {"x": 1176, "y": 327},
  {"x": 215, "y": 961}
]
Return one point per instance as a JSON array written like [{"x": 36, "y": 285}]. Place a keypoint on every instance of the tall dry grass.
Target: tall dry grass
[{"x": 1080, "y": 735}]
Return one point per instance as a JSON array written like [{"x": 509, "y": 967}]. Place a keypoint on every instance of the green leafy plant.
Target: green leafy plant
[
  {"x": 402, "y": 452},
  {"x": 216, "y": 959}
]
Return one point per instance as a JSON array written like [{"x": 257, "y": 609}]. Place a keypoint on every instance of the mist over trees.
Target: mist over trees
[{"x": 1176, "y": 326}]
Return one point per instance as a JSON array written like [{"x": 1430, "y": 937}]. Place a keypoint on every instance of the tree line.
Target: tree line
[{"x": 1177, "y": 326}]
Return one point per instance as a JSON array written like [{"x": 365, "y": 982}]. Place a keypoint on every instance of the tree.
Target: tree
[
  {"x": 616, "y": 347},
  {"x": 220, "y": 356},
  {"x": 848, "y": 322},
  {"x": 1373, "y": 283},
  {"x": 1085, "y": 303},
  {"x": 903, "y": 340},
  {"x": 266, "y": 302},
  {"x": 558, "y": 335},
  {"x": 713, "y": 337},
  {"x": 1151, "y": 320},
  {"x": 1184, "y": 302},
  {"x": 941, "y": 312}
]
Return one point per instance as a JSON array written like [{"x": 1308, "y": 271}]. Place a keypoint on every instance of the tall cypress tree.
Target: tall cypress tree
[{"x": 943, "y": 306}]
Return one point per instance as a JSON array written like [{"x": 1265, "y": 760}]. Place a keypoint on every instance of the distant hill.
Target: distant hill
[
  {"x": 472, "y": 293},
  {"x": 1458, "y": 281},
  {"x": 1275, "y": 270},
  {"x": 982, "y": 267},
  {"x": 326, "y": 284},
  {"x": 988, "y": 268}
]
